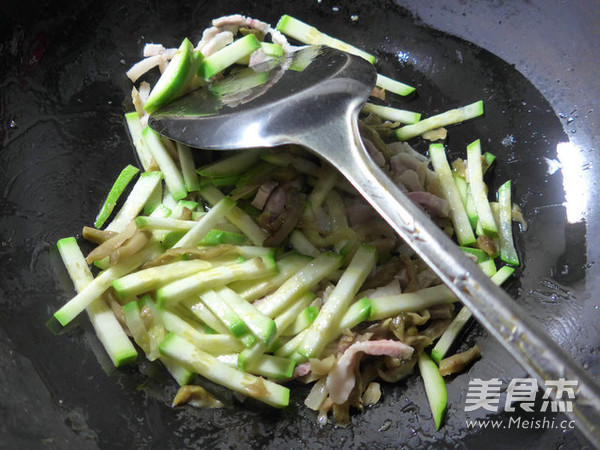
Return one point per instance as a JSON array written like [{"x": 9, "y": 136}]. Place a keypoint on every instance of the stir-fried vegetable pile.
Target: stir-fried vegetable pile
[{"x": 265, "y": 265}]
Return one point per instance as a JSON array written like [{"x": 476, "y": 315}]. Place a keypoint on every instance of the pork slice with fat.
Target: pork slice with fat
[{"x": 341, "y": 379}]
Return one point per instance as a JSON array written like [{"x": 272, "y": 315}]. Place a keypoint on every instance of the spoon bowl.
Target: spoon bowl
[{"x": 310, "y": 90}]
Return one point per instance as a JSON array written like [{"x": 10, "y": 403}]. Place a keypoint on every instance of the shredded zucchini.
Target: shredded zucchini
[{"x": 249, "y": 268}]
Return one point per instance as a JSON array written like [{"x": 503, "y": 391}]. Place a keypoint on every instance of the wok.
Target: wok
[{"x": 63, "y": 94}]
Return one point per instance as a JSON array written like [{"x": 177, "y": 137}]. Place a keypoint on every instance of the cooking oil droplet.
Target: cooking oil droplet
[
  {"x": 508, "y": 141},
  {"x": 386, "y": 425}
]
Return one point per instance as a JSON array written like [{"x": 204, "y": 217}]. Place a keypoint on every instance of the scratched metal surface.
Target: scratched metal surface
[{"x": 62, "y": 96}]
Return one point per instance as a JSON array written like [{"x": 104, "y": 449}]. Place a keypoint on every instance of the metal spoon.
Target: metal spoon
[{"x": 313, "y": 100}]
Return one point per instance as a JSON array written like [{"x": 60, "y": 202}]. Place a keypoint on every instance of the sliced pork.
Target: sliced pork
[{"x": 342, "y": 378}]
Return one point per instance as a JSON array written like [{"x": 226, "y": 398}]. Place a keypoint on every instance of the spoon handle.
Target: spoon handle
[{"x": 536, "y": 352}]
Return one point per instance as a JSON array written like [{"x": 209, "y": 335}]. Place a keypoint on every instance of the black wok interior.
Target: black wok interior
[{"x": 63, "y": 93}]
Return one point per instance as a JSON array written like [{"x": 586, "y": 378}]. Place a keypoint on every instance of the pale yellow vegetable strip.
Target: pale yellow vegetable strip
[{"x": 108, "y": 329}]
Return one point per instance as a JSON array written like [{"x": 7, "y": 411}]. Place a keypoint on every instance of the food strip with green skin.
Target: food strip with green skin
[
  {"x": 251, "y": 290},
  {"x": 307, "y": 34},
  {"x": 308, "y": 277},
  {"x": 101, "y": 283},
  {"x": 289, "y": 348},
  {"x": 228, "y": 253},
  {"x": 257, "y": 174},
  {"x": 138, "y": 197},
  {"x": 282, "y": 321},
  {"x": 479, "y": 190},
  {"x": 206, "y": 223},
  {"x": 182, "y": 205},
  {"x": 357, "y": 313},
  {"x": 393, "y": 86},
  {"x": 304, "y": 319},
  {"x": 211, "y": 343},
  {"x": 169, "y": 201},
  {"x": 271, "y": 49},
  {"x": 188, "y": 168},
  {"x": 470, "y": 208},
  {"x": 173, "y": 177},
  {"x": 449, "y": 336},
  {"x": 301, "y": 244},
  {"x": 217, "y": 237},
  {"x": 163, "y": 223},
  {"x": 287, "y": 317},
  {"x": 283, "y": 159},
  {"x": 202, "y": 312},
  {"x": 232, "y": 165},
  {"x": 236, "y": 216},
  {"x": 489, "y": 160},
  {"x": 108, "y": 329},
  {"x": 133, "y": 319},
  {"x": 161, "y": 212},
  {"x": 262, "y": 326},
  {"x": 230, "y": 318},
  {"x": 450, "y": 117},
  {"x": 320, "y": 332},
  {"x": 393, "y": 114},
  {"x": 508, "y": 253},
  {"x": 249, "y": 340},
  {"x": 176, "y": 78},
  {"x": 247, "y": 251},
  {"x": 218, "y": 181},
  {"x": 269, "y": 366},
  {"x": 227, "y": 56},
  {"x": 239, "y": 81},
  {"x": 488, "y": 267},
  {"x": 115, "y": 192},
  {"x": 146, "y": 280},
  {"x": 479, "y": 254},
  {"x": 135, "y": 128},
  {"x": 218, "y": 276},
  {"x": 154, "y": 200},
  {"x": 179, "y": 373},
  {"x": 325, "y": 183},
  {"x": 464, "y": 189},
  {"x": 391, "y": 306},
  {"x": 435, "y": 388},
  {"x": 462, "y": 226},
  {"x": 209, "y": 367}
]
